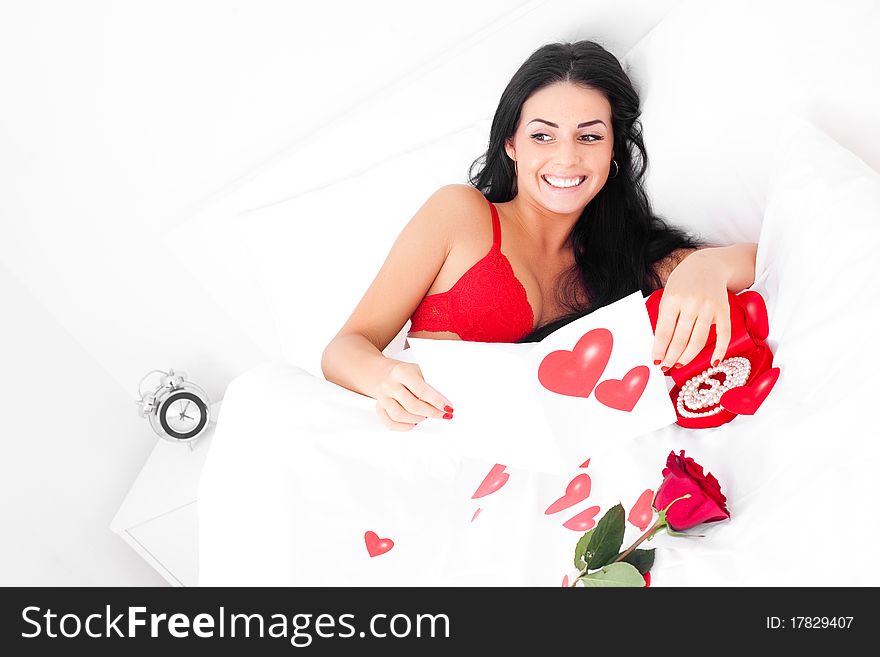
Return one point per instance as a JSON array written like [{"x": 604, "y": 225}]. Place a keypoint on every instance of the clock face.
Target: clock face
[{"x": 183, "y": 415}]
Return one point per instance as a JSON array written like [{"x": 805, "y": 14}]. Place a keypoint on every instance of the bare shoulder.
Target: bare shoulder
[
  {"x": 457, "y": 201},
  {"x": 460, "y": 193},
  {"x": 449, "y": 210}
]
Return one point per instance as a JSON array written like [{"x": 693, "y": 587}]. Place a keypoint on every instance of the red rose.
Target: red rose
[{"x": 706, "y": 503}]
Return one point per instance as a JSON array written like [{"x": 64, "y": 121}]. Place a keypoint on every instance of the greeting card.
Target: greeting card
[{"x": 544, "y": 406}]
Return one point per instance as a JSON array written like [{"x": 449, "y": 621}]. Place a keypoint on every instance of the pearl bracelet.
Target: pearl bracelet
[{"x": 736, "y": 372}]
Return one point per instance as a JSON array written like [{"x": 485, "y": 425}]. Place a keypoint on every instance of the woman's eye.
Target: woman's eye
[{"x": 585, "y": 138}]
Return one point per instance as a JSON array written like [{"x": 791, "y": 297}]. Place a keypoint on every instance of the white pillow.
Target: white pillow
[
  {"x": 316, "y": 254},
  {"x": 717, "y": 80},
  {"x": 817, "y": 444},
  {"x": 816, "y": 268},
  {"x": 439, "y": 95}
]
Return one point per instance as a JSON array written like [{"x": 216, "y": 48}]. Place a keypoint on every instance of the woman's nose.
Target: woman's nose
[{"x": 566, "y": 154}]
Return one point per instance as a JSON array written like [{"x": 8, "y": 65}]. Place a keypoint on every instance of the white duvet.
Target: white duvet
[{"x": 299, "y": 468}]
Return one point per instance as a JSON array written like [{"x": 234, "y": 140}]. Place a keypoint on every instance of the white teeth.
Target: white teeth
[{"x": 564, "y": 182}]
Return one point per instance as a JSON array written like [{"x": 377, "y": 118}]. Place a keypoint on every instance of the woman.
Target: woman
[{"x": 560, "y": 188}]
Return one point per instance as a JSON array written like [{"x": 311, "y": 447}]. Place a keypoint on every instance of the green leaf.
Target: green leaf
[
  {"x": 607, "y": 536},
  {"x": 618, "y": 574},
  {"x": 642, "y": 560},
  {"x": 580, "y": 561}
]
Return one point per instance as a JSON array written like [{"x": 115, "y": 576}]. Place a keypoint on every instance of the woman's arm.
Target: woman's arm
[
  {"x": 354, "y": 359},
  {"x": 695, "y": 298}
]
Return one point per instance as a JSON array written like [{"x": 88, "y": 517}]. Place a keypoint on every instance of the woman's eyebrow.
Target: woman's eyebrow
[{"x": 580, "y": 125}]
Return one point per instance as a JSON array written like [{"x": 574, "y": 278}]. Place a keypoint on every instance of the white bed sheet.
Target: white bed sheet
[
  {"x": 314, "y": 469},
  {"x": 299, "y": 468}
]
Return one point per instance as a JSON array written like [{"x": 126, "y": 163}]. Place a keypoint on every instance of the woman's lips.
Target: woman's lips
[{"x": 564, "y": 190}]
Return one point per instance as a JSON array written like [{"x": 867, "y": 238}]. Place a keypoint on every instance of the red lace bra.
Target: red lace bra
[{"x": 487, "y": 304}]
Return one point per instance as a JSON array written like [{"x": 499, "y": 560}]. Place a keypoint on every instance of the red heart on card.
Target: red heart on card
[
  {"x": 575, "y": 373},
  {"x": 582, "y": 521},
  {"x": 496, "y": 478},
  {"x": 578, "y": 490},
  {"x": 376, "y": 545},
  {"x": 623, "y": 394},
  {"x": 642, "y": 512},
  {"x": 745, "y": 400}
]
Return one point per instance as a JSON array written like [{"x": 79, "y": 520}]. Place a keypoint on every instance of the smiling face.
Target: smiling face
[{"x": 563, "y": 146}]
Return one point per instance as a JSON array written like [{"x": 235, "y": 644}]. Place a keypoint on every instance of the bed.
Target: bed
[{"x": 300, "y": 470}]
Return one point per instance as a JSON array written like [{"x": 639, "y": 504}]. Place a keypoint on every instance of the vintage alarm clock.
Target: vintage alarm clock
[{"x": 178, "y": 410}]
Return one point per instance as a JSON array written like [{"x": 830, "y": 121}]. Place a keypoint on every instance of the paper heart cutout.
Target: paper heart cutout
[
  {"x": 623, "y": 394},
  {"x": 376, "y": 545},
  {"x": 492, "y": 482},
  {"x": 582, "y": 521},
  {"x": 575, "y": 373},
  {"x": 642, "y": 512},
  {"x": 578, "y": 490},
  {"x": 745, "y": 400}
]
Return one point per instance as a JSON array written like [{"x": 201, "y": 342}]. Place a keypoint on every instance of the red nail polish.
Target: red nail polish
[
  {"x": 664, "y": 369},
  {"x": 715, "y": 362},
  {"x": 448, "y": 408},
  {"x": 447, "y": 416},
  {"x": 677, "y": 365},
  {"x": 656, "y": 362}
]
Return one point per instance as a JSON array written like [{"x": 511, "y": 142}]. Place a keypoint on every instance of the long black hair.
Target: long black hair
[{"x": 617, "y": 238}]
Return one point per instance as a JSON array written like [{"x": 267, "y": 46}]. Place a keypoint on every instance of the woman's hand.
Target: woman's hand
[
  {"x": 404, "y": 399},
  {"x": 695, "y": 298}
]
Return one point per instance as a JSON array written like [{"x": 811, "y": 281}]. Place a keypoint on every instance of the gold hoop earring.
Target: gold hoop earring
[{"x": 616, "y": 168}]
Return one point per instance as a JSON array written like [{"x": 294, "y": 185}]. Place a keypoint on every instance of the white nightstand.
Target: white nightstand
[{"x": 158, "y": 517}]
